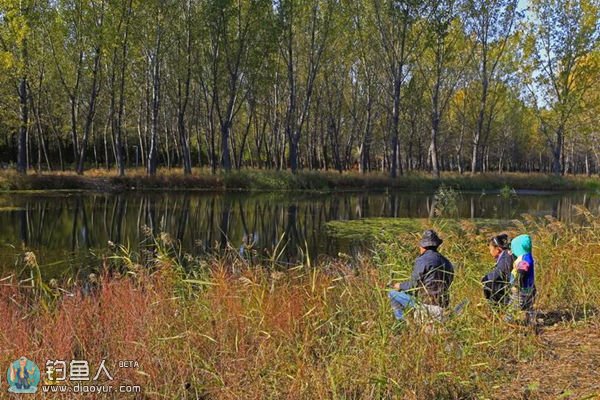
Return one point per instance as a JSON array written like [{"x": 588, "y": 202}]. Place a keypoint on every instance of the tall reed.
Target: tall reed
[{"x": 226, "y": 329}]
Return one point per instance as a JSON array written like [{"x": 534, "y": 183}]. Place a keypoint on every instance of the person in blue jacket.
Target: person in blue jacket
[
  {"x": 496, "y": 284},
  {"x": 430, "y": 280}
]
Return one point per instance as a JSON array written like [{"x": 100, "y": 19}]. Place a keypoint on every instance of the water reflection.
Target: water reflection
[{"x": 66, "y": 227}]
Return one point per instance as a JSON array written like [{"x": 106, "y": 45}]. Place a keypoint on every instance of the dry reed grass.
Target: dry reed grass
[
  {"x": 230, "y": 331},
  {"x": 255, "y": 179}
]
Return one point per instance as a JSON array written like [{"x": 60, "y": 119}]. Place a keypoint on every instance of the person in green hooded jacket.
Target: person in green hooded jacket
[{"x": 522, "y": 277}]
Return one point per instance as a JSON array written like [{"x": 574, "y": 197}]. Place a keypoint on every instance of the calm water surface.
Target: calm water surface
[{"x": 65, "y": 230}]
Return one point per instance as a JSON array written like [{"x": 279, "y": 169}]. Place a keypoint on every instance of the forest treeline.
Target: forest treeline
[{"x": 386, "y": 85}]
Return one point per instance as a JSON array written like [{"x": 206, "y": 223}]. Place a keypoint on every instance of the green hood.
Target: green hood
[{"x": 521, "y": 245}]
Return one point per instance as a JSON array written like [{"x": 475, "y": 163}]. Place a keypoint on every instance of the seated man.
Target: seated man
[{"x": 430, "y": 281}]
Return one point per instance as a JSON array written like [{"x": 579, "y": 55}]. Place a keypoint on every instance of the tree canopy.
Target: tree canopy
[{"x": 383, "y": 85}]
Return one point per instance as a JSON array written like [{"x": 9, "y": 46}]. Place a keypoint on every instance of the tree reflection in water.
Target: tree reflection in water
[{"x": 65, "y": 227}]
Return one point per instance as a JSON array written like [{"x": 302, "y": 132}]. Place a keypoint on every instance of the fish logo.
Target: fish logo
[{"x": 23, "y": 376}]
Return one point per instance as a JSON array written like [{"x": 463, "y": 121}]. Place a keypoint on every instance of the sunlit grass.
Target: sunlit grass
[{"x": 221, "y": 329}]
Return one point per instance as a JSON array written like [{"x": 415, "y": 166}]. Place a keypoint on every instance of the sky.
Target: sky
[{"x": 523, "y": 4}]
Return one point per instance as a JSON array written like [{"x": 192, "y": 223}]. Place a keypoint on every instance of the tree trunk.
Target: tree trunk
[
  {"x": 435, "y": 127},
  {"x": 119, "y": 123},
  {"x": 22, "y": 139},
  {"x": 41, "y": 141},
  {"x": 153, "y": 152},
  {"x": 183, "y": 100},
  {"x": 245, "y": 138},
  {"x": 557, "y": 152},
  {"x": 91, "y": 112},
  {"x": 184, "y": 142},
  {"x": 480, "y": 122},
  {"x": 293, "y": 147},
  {"x": 366, "y": 142},
  {"x": 396, "y": 166},
  {"x": 225, "y": 154},
  {"x": 588, "y": 170}
]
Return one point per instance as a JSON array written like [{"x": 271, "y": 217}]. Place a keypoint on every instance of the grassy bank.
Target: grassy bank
[
  {"x": 221, "y": 329},
  {"x": 102, "y": 180}
]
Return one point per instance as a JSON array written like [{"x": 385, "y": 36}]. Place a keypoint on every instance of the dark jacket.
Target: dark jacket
[
  {"x": 497, "y": 282},
  {"x": 431, "y": 278}
]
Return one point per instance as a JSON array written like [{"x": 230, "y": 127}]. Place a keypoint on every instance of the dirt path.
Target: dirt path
[{"x": 566, "y": 367}]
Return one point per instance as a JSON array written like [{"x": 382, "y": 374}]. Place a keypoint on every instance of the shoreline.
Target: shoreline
[{"x": 307, "y": 181}]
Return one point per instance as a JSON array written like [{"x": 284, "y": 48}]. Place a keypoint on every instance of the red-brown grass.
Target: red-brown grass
[{"x": 308, "y": 332}]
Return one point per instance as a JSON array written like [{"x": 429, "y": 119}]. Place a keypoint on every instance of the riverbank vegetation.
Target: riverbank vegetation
[
  {"x": 385, "y": 85},
  {"x": 253, "y": 179},
  {"x": 231, "y": 327}
]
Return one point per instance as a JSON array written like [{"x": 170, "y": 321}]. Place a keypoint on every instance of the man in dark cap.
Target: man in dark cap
[{"x": 430, "y": 281}]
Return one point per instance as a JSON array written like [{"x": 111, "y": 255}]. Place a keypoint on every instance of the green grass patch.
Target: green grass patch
[{"x": 390, "y": 228}]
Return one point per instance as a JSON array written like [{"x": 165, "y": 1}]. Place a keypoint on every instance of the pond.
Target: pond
[{"x": 69, "y": 230}]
